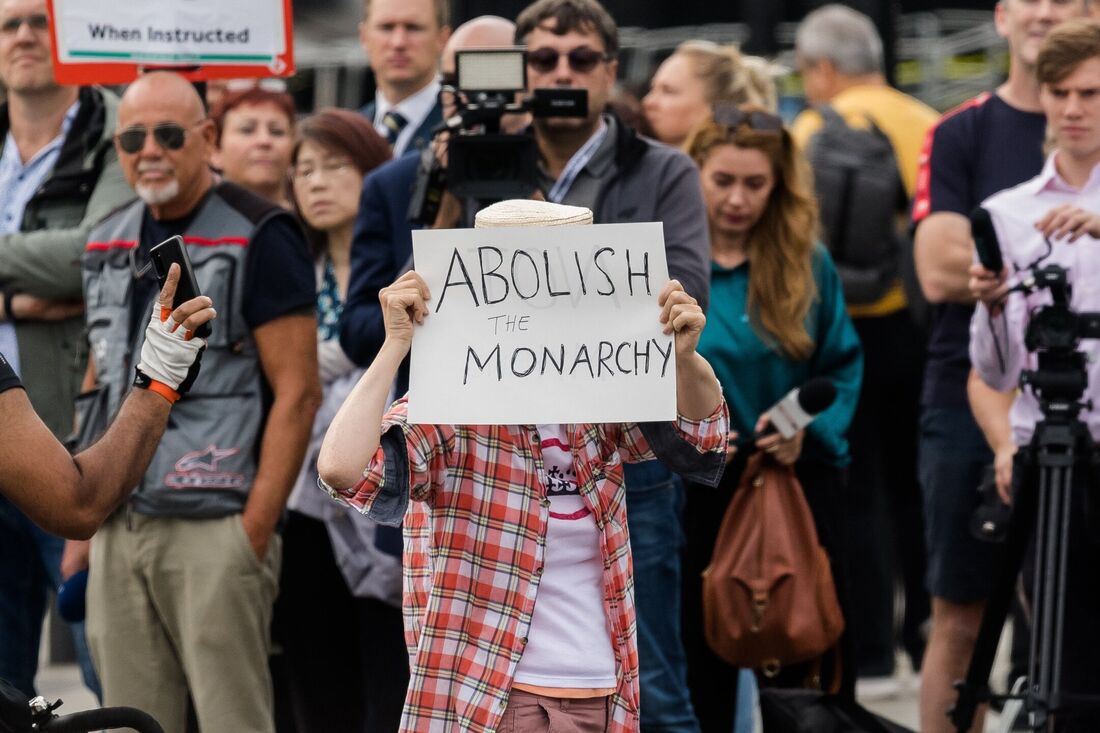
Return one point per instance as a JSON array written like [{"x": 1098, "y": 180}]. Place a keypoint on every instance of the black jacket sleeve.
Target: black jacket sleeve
[{"x": 381, "y": 247}]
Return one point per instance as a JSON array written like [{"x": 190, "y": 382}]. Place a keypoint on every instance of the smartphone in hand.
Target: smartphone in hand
[{"x": 162, "y": 256}]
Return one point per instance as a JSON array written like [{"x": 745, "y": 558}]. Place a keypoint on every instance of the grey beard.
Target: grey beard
[{"x": 157, "y": 195}]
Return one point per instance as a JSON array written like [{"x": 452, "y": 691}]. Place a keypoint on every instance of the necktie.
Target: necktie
[{"x": 394, "y": 122}]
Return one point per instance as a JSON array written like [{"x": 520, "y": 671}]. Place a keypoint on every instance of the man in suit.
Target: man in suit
[
  {"x": 382, "y": 244},
  {"x": 403, "y": 40}
]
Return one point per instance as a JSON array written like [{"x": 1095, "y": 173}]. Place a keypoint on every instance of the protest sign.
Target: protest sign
[
  {"x": 107, "y": 42},
  {"x": 532, "y": 325}
]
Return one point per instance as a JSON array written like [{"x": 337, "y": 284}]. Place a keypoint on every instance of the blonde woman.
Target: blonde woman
[{"x": 694, "y": 78}]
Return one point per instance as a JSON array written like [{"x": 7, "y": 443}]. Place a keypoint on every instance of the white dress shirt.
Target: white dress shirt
[
  {"x": 415, "y": 109},
  {"x": 997, "y": 348}
]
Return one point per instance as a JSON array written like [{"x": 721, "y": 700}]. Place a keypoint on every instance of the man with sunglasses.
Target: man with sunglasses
[
  {"x": 597, "y": 161},
  {"x": 183, "y": 578},
  {"x": 58, "y": 175},
  {"x": 403, "y": 40}
]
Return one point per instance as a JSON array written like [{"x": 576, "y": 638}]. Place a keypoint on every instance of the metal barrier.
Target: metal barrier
[{"x": 944, "y": 57}]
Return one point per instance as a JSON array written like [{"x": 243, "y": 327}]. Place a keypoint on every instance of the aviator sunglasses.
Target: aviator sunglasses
[
  {"x": 168, "y": 135},
  {"x": 581, "y": 60},
  {"x": 732, "y": 116}
]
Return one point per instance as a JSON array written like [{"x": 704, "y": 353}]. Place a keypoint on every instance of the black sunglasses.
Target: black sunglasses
[
  {"x": 169, "y": 135},
  {"x": 733, "y": 117},
  {"x": 581, "y": 60},
  {"x": 37, "y": 22}
]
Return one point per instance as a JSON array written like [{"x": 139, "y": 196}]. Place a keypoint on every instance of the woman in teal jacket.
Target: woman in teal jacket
[{"x": 777, "y": 318}]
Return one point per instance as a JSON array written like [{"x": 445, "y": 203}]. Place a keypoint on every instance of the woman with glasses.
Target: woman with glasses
[
  {"x": 255, "y": 134},
  {"x": 698, "y": 75},
  {"x": 341, "y": 572},
  {"x": 777, "y": 318}
]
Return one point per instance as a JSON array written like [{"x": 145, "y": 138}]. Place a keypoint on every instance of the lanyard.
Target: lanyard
[{"x": 576, "y": 164}]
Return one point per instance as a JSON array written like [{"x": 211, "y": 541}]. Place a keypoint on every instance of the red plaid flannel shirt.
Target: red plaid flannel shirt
[{"x": 475, "y": 535}]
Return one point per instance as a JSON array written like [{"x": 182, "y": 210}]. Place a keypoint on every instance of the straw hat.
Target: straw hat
[{"x": 529, "y": 213}]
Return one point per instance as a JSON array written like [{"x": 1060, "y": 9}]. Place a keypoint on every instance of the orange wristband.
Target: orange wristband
[
  {"x": 164, "y": 391},
  {"x": 144, "y": 381}
]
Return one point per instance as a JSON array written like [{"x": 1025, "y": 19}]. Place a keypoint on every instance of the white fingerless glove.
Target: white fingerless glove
[{"x": 170, "y": 357}]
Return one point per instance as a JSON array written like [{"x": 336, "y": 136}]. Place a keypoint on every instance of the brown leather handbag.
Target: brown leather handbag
[{"x": 768, "y": 594}]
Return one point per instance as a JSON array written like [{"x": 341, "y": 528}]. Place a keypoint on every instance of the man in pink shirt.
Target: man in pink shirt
[
  {"x": 1054, "y": 210},
  {"x": 1059, "y": 204}
]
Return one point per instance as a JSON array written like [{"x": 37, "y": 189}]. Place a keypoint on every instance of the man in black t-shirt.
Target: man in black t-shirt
[
  {"x": 182, "y": 586},
  {"x": 988, "y": 144}
]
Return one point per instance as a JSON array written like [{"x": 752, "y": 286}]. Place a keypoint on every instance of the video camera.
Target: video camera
[
  {"x": 484, "y": 163},
  {"x": 1054, "y": 333}
]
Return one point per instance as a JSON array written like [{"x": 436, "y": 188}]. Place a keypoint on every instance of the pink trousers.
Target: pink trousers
[{"x": 530, "y": 713}]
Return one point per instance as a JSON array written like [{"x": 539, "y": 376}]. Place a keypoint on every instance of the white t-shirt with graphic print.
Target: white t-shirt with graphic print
[{"x": 569, "y": 642}]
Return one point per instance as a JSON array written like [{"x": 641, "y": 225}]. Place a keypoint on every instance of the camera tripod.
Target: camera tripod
[{"x": 1043, "y": 509}]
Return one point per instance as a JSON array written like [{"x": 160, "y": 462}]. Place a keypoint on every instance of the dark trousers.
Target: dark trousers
[
  {"x": 654, "y": 501},
  {"x": 30, "y": 570},
  {"x": 343, "y": 664},
  {"x": 884, "y": 528},
  {"x": 712, "y": 681}
]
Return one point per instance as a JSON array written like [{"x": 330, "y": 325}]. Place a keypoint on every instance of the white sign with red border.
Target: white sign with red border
[{"x": 253, "y": 37}]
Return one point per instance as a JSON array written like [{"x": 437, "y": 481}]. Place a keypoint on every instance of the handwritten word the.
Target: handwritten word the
[{"x": 509, "y": 324}]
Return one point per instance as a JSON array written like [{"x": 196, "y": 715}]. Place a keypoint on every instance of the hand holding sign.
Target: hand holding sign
[
  {"x": 403, "y": 303},
  {"x": 681, "y": 314}
]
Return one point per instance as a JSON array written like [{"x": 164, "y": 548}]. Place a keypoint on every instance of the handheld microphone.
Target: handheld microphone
[
  {"x": 985, "y": 240},
  {"x": 799, "y": 408}
]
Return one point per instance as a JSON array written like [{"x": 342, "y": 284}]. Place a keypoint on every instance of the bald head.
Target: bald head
[
  {"x": 484, "y": 31},
  {"x": 163, "y": 90},
  {"x": 168, "y": 143}
]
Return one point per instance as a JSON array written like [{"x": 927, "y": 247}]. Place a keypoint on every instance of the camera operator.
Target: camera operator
[
  {"x": 597, "y": 161},
  {"x": 1048, "y": 208},
  {"x": 594, "y": 160},
  {"x": 72, "y": 495}
]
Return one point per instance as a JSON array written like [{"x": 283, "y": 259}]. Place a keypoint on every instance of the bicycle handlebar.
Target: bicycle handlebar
[{"x": 104, "y": 718}]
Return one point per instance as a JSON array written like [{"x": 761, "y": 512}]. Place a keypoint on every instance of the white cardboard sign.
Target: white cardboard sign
[
  {"x": 243, "y": 32},
  {"x": 535, "y": 325}
]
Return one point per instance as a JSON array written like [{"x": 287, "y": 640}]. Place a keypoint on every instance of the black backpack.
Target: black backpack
[{"x": 860, "y": 194}]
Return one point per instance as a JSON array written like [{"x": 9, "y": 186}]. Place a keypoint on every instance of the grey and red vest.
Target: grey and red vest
[{"x": 206, "y": 461}]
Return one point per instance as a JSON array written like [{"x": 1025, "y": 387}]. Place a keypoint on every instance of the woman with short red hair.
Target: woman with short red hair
[{"x": 255, "y": 130}]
